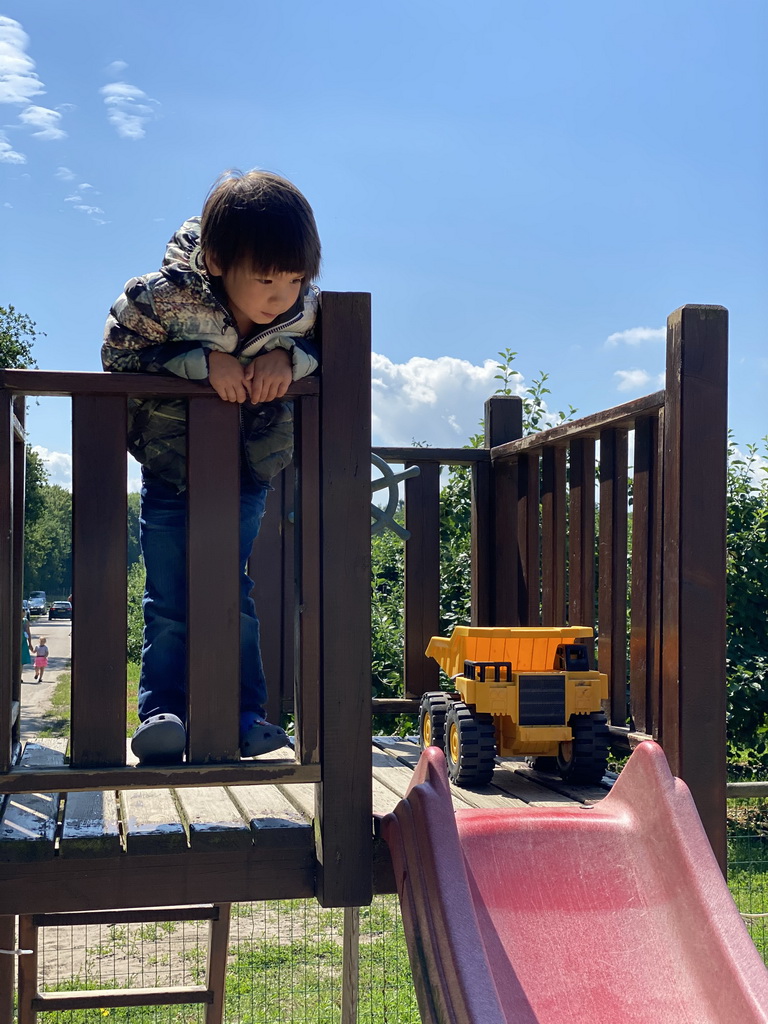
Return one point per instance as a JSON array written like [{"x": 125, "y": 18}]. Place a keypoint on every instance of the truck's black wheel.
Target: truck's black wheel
[
  {"x": 542, "y": 763},
  {"x": 470, "y": 745},
  {"x": 432, "y": 712},
  {"x": 585, "y": 758}
]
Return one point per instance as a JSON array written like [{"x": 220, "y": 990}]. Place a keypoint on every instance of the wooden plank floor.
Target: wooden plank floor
[{"x": 246, "y": 842}]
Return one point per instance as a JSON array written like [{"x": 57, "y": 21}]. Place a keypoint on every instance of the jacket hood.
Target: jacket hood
[{"x": 183, "y": 251}]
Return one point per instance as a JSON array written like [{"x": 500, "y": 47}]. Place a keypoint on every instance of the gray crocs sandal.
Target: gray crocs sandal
[
  {"x": 161, "y": 739},
  {"x": 261, "y": 738}
]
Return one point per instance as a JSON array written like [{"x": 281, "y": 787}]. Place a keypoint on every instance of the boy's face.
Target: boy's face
[{"x": 255, "y": 296}]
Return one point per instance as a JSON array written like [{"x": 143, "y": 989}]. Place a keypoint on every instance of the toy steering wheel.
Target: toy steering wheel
[{"x": 383, "y": 517}]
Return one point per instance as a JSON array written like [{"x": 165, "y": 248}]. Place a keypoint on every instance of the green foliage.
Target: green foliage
[
  {"x": 747, "y": 610},
  {"x": 136, "y": 580},
  {"x": 134, "y": 546},
  {"x": 17, "y": 335},
  {"x": 48, "y": 542}
]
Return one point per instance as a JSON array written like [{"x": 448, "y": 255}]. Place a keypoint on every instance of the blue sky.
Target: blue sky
[{"x": 553, "y": 177}]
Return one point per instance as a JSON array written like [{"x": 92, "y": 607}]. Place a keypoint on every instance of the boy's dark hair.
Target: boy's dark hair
[{"x": 263, "y": 220}]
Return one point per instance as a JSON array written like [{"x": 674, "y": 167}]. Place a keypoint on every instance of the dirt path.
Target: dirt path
[{"x": 36, "y": 697}]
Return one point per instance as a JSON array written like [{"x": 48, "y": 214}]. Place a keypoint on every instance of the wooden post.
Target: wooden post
[
  {"x": 504, "y": 422},
  {"x": 7, "y": 968},
  {"x": 612, "y": 564},
  {"x": 581, "y": 534},
  {"x": 10, "y": 639},
  {"x": 344, "y": 799},
  {"x": 694, "y": 559},
  {"x": 350, "y": 990},
  {"x": 553, "y": 516}
]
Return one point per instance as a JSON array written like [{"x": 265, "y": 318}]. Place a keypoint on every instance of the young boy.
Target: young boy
[{"x": 233, "y": 304}]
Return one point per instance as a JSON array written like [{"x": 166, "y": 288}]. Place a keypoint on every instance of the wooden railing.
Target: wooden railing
[
  {"x": 330, "y": 625},
  {"x": 566, "y": 531}
]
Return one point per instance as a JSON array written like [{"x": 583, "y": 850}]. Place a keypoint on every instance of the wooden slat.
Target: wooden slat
[
  {"x": 268, "y": 810},
  {"x": 266, "y": 569},
  {"x": 443, "y": 456},
  {"x": 345, "y": 859},
  {"x": 178, "y": 995},
  {"x": 612, "y": 588},
  {"x": 581, "y": 525},
  {"x": 7, "y": 970},
  {"x": 90, "y": 826},
  {"x": 213, "y": 599},
  {"x": 19, "y": 492},
  {"x": 694, "y": 601},
  {"x": 553, "y": 517},
  {"x": 99, "y": 525},
  {"x": 216, "y": 963},
  {"x": 212, "y": 819},
  {"x": 644, "y": 621},
  {"x": 65, "y": 384},
  {"x": 10, "y": 639},
  {"x": 28, "y": 823},
  {"x": 151, "y": 822},
  {"x": 528, "y": 539},
  {"x": 504, "y": 422},
  {"x": 144, "y": 915},
  {"x": 422, "y": 578},
  {"x": 306, "y": 628},
  {"x": 289, "y": 593},
  {"x": 482, "y": 545}
]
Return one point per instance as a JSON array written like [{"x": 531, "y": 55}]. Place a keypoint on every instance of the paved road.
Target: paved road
[{"x": 36, "y": 697}]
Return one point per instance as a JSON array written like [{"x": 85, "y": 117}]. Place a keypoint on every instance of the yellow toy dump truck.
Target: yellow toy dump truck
[{"x": 519, "y": 692}]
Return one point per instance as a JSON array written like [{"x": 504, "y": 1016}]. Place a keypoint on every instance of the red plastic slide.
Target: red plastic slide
[{"x": 612, "y": 914}]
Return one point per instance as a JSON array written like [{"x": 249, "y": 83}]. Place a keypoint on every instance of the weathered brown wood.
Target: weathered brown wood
[
  {"x": 265, "y": 807},
  {"x": 504, "y": 422},
  {"x": 482, "y": 545},
  {"x": 289, "y": 592},
  {"x": 28, "y": 823},
  {"x": 10, "y": 637},
  {"x": 7, "y": 966},
  {"x": 307, "y": 622},
  {"x": 621, "y": 417},
  {"x": 137, "y": 881},
  {"x": 27, "y": 972},
  {"x": 244, "y": 773},
  {"x": 266, "y": 569},
  {"x": 17, "y": 544},
  {"x": 345, "y": 414},
  {"x": 395, "y": 706},
  {"x": 422, "y": 578},
  {"x": 644, "y": 621},
  {"x": 145, "y": 915},
  {"x": 443, "y": 456},
  {"x": 213, "y": 598},
  {"x": 581, "y": 534},
  {"x": 528, "y": 539},
  {"x": 90, "y": 826},
  {"x": 212, "y": 820},
  {"x": 553, "y": 516},
  {"x": 693, "y": 629},
  {"x": 104, "y": 997},
  {"x": 612, "y": 587},
  {"x": 216, "y": 963},
  {"x": 350, "y": 965},
  {"x": 151, "y": 823},
  {"x": 99, "y": 527},
  {"x": 65, "y": 384}
]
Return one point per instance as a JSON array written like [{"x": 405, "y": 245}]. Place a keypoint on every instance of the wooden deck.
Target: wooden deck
[{"x": 137, "y": 848}]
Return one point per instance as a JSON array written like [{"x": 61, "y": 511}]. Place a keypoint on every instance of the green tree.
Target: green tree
[
  {"x": 17, "y": 335},
  {"x": 48, "y": 543},
  {"x": 134, "y": 546}
]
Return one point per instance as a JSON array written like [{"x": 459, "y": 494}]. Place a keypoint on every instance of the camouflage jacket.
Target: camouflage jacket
[{"x": 168, "y": 322}]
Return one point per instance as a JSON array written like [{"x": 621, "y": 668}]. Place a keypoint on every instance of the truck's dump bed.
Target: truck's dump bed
[
  {"x": 528, "y": 649},
  {"x": 615, "y": 914}
]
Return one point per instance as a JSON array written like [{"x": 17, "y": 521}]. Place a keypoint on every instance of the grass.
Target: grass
[{"x": 58, "y": 715}]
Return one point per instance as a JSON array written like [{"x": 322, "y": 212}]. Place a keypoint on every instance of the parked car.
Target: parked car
[
  {"x": 37, "y": 602},
  {"x": 60, "y": 610}
]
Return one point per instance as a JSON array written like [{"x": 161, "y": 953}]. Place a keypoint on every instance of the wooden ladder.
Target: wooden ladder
[{"x": 31, "y": 1001}]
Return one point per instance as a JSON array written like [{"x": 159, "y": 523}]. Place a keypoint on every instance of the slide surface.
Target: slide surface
[{"x": 612, "y": 914}]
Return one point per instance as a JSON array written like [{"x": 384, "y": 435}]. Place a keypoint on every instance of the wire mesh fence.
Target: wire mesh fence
[
  {"x": 748, "y": 865},
  {"x": 284, "y": 966}
]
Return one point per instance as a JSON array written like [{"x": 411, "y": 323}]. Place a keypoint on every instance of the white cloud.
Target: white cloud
[
  {"x": 636, "y": 380},
  {"x": 635, "y": 336},
  {"x": 128, "y": 109},
  {"x": 439, "y": 401},
  {"x": 18, "y": 81},
  {"x": 117, "y": 67},
  {"x": 45, "y": 120},
  {"x": 8, "y": 206},
  {"x": 58, "y": 464},
  {"x": 64, "y": 174},
  {"x": 8, "y": 155}
]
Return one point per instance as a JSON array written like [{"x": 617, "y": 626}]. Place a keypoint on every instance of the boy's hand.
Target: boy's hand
[
  {"x": 269, "y": 376},
  {"x": 227, "y": 377}
]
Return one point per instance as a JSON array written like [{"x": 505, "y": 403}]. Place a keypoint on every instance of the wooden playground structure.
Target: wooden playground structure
[{"x": 85, "y": 830}]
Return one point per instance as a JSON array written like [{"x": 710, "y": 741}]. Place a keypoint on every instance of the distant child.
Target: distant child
[
  {"x": 40, "y": 652},
  {"x": 233, "y": 304}
]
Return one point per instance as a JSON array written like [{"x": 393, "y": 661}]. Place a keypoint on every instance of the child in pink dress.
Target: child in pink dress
[{"x": 41, "y": 658}]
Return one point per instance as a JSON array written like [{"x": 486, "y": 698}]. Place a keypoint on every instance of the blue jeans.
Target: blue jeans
[{"x": 163, "y": 680}]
